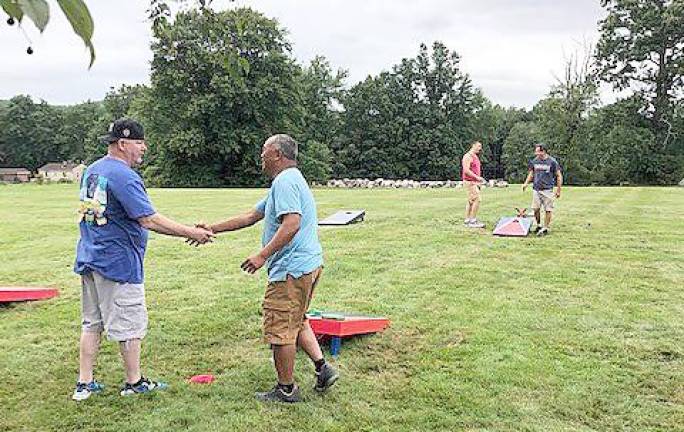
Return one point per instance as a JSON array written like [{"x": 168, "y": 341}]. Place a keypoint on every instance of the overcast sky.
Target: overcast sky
[{"x": 510, "y": 48}]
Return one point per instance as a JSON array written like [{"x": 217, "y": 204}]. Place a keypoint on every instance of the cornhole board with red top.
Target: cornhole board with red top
[
  {"x": 18, "y": 294},
  {"x": 338, "y": 325},
  {"x": 513, "y": 226}
]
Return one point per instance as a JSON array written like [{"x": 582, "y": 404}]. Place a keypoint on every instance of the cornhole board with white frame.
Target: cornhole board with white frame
[
  {"x": 344, "y": 217},
  {"x": 514, "y": 226}
]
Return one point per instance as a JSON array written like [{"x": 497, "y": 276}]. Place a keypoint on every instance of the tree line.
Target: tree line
[{"x": 221, "y": 82}]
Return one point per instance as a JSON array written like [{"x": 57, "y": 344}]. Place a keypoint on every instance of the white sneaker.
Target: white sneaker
[{"x": 84, "y": 390}]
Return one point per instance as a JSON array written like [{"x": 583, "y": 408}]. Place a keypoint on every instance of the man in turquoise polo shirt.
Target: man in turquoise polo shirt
[{"x": 294, "y": 258}]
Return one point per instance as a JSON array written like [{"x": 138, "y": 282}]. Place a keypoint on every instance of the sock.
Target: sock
[
  {"x": 319, "y": 364},
  {"x": 287, "y": 388}
]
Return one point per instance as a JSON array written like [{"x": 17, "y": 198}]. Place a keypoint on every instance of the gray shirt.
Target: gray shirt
[{"x": 544, "y": 172}]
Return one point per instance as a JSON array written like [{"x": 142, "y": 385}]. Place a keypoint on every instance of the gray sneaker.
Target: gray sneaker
[
  {"x": 476, "y": 224},
  {"x": 277, "y": 394},
  {"x": 325, "y": 378}
]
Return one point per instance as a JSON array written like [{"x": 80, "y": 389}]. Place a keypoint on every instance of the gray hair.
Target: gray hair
[{"x": 286, "y": 144}]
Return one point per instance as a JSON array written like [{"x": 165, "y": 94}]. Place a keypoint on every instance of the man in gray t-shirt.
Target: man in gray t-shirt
[{"x": 545, "y": 173}]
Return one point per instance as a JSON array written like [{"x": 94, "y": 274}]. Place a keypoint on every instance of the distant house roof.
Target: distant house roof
[
  {"x": 58, "y": 167},
  {"x": 14, "y": 171}
]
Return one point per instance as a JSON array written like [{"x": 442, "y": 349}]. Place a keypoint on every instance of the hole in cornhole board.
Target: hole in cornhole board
[
  {"x": 344, "y": 217},
  {"x": 20, "y": 294}
]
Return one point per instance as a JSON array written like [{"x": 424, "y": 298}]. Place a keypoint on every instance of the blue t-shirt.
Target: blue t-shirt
[
  {"x": 112, "y": 241},
  {"x": 290, "y": 193},
  {"x": 544, "y": 173}
]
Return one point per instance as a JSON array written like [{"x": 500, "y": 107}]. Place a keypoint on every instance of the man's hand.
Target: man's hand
[
  {"x": 203, "y": 225},
  {"x": 199, "y": 236},
  {"x": 524, "y": 186},
  {"x": 253, "y": 263},
  {"x": 557, "y": 193}
]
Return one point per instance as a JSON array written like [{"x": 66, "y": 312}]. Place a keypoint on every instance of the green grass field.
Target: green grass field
[{"x": 580, "y": 331}]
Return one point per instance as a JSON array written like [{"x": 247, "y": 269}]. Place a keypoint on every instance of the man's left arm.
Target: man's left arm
[
  {"x": 559, "y": 182},
  {"x": 286, "y": 232}
]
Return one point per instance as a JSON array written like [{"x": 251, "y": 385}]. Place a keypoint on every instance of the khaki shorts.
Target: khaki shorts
[
  {"x": 285, "y": 306},
  {"x": 544, "y": 198},
  {"x": 473, "y": 189},
  {"x": 117, "y": 308}
]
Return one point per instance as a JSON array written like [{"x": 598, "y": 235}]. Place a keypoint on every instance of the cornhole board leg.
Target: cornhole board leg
[
  {"x": 335, "y": 346},
  {"x": 351, "y": 325}
]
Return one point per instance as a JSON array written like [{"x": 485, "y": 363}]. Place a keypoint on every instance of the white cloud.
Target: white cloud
[{"x": 511, "y": 49}]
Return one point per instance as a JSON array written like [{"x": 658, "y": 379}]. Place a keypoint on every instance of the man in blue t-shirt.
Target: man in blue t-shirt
[
  {"x": 294, "y": 258},
  {"x": 545, "y": 173},
  {"x": 114, "y": 216}
]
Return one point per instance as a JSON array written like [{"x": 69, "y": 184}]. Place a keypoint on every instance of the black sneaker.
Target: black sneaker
[
  {"x": 542, "y": 232},
  {"x": 325, "y": 378},
  {"x": 143, "y": 386},
  {"x": 537, "y": 229},
  {"x": 277, "y": 394}
]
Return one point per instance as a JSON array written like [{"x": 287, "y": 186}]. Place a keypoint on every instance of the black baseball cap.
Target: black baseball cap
[{"x": 124, "y": 129}]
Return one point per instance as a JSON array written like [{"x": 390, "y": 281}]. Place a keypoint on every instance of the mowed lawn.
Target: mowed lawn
[{"x": 582, "y": 330}]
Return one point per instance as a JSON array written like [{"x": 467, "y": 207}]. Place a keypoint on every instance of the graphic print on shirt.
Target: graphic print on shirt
[
  {"x": 93, "y": 199},
  {"x": 542, "y": 167}
]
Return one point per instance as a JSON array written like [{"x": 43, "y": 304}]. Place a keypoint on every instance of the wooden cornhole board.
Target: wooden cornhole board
[
  {"x": 344, "y": 217},
  {"x": 18, "y": 294},
  {"x": 339, "y": 325}
]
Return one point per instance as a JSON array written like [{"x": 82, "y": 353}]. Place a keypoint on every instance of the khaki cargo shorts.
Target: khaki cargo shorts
[
  {"x": 117, "y": 308},
  {"x": 473, "y": 189},
  {"x": 285, "y": 305},
  {"x": 543, "y": 199}
]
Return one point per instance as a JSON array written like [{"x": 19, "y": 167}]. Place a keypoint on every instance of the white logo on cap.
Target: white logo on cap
[{"x": 126, "y": 133}]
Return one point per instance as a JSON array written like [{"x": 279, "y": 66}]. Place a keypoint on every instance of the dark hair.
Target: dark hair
[{"x": 541, "y": 147}]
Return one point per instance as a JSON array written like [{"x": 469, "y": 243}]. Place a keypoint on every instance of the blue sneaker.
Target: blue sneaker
[
  {"x": 84, "y": 390},
  {"x": 143, "y": 386}
]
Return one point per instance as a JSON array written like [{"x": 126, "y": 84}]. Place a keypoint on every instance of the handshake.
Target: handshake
[{"x": 200, "y": 234}]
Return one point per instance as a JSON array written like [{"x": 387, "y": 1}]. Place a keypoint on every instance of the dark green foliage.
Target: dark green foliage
[
  {"x": 518, "y": 149},
  {"x": 223, "y": 82},
  {"x": 29, "y": 132},
  {"x": 413, "y": 122},
  {"x": 642, "y": 47}
]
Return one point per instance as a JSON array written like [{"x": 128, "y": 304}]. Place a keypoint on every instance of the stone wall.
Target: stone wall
[{"x": 403, "y": 184}]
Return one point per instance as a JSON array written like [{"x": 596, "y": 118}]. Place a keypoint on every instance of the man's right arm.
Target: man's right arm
[
  {"x": 235, "y": 223},
  {"x": 163, "y": 225},
  {"x": 527, "y": 180}
]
